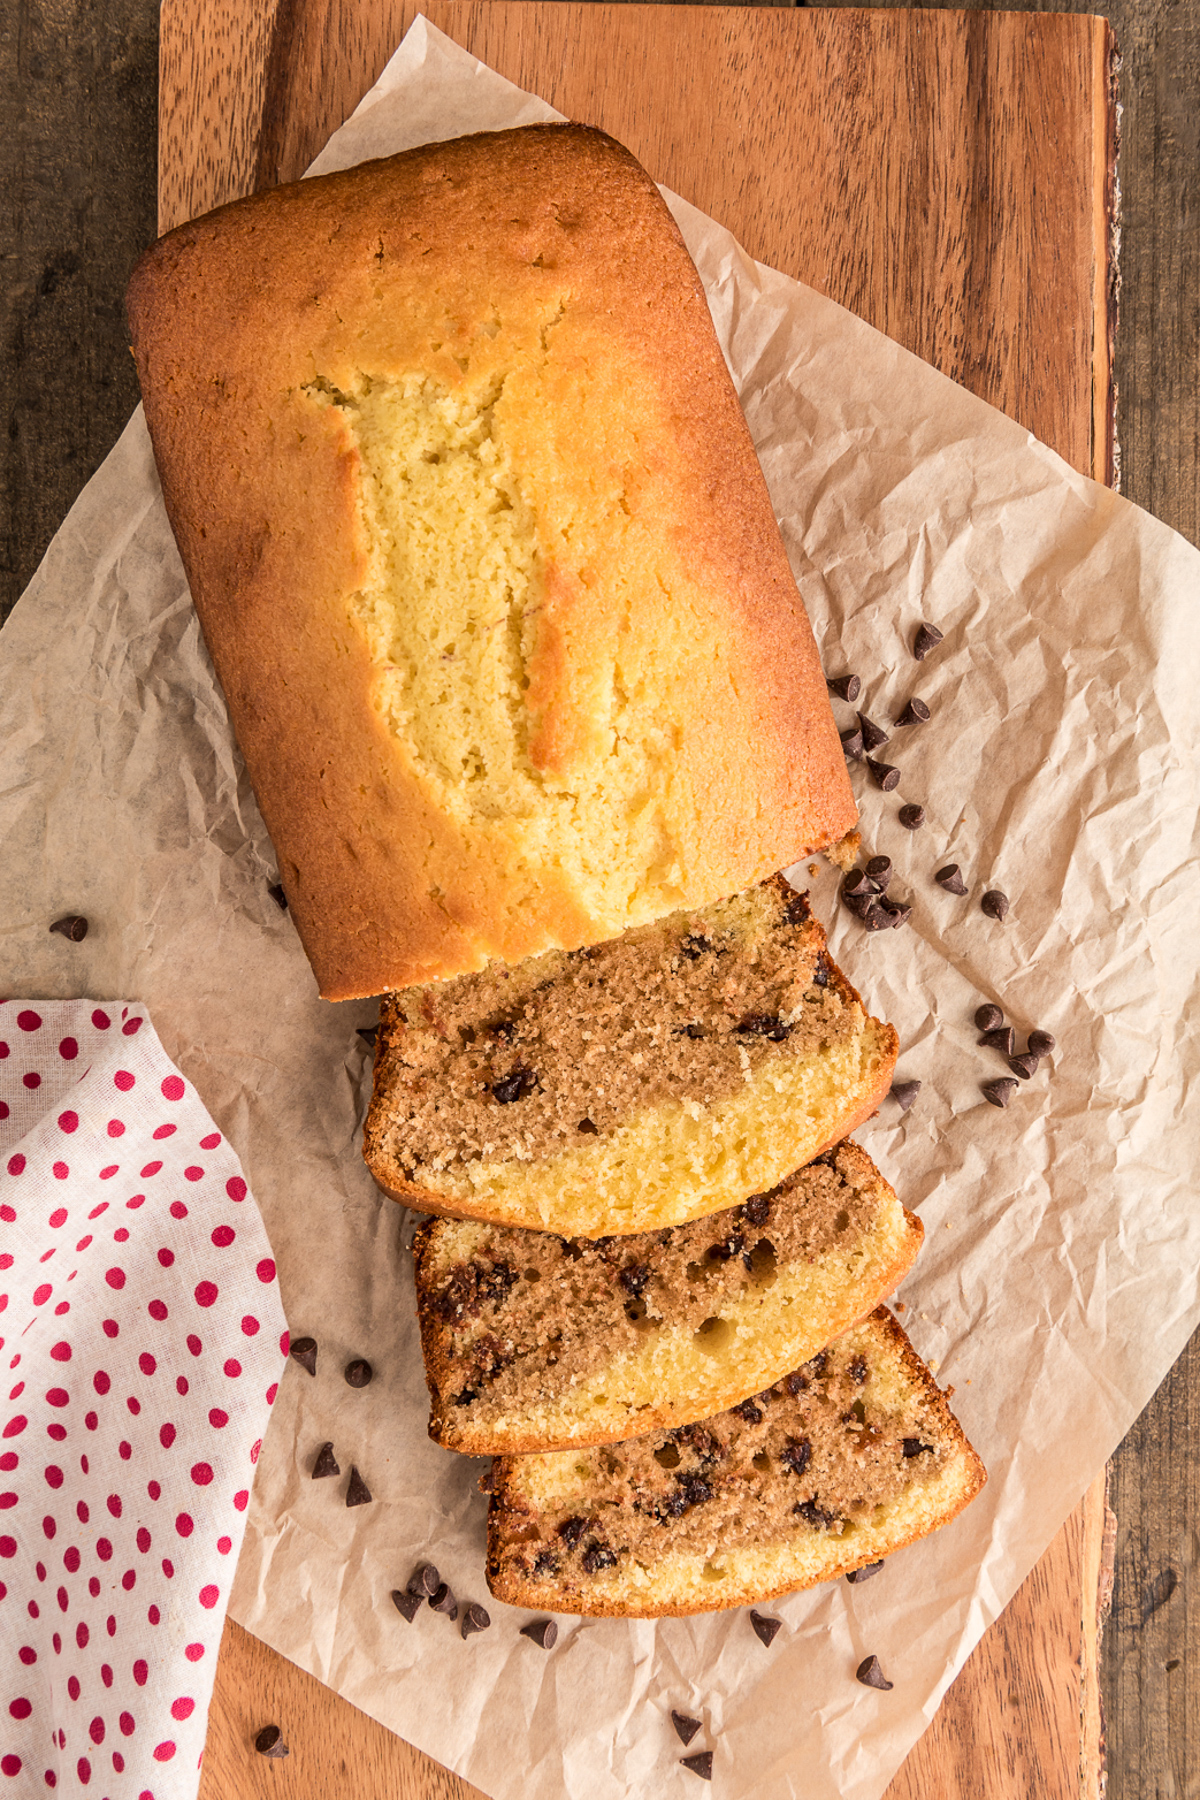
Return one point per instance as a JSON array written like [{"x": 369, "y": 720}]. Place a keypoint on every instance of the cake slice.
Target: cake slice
[
  {"x": 842, "y": 1462},
  {"x": 659, "y": 1077},
  {"x": 535, "y": 1342}
]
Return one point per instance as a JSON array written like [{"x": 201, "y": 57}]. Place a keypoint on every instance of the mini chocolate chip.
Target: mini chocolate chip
[
  {"x": 304, "y": 1349},
  {"x": 1024, "y": 1066},
  {"x": 685, "y": 1728},
  {"x": 852, "y": 744},
  {"x": 443, "y": 1601},
  {"x": 858, "y": 886},
  {"x": 694, "y": 946},
  {"x": 767, "y": 1025},
  {"x": 914, "y": 1447},
  {"x": 542, "y": 1632},
  {"x": 756, "y": 1210},
  {"x": 796, "y": 1455},
  {"x": 269, "y": 1742},
  {"x": 879, "y": 872},
  {"x": 820, "y": 974},
  {"x": 598, "y": 1556},
  {"x": 912, "y": 817},
  {"x": 915, "y": 713},
  {"x": 765, "y": 1627},
  {"x": 999, "y": 1093},
  {"x": 748, "y": 1411},
  {"x": 928, "y": 638},
  {"x": 995, "y": 905},
  {"x": 1000, "y": 1037},
  {"x": 368, "y": 1034},
  {"x": 886, "y": 776},
  {"x": 844, "y": 687},
  {"x": 587, "y": 1128},
  {"x": 1041, "y": 1043},
  {"x": 357, "y": 1491},
  {"x": 278, "y": 896},
  {"x": 634, "y": 1278},
  {"x": 700, "y": 1764},
  {"x": 407, "y": 1604},
  {"x": 857, "y": 1370},
  {"x": 358, "y": 1373},
  {"x": 871, "y": 1674},
  {"x": 571, "y": 1530},
  {"x": 514, "y": 1087},
  {"x": 475, "y": 1618},
  {"x": 326, "y": 1463},
  {"x": 951, "y": 879},
  {"x": 74, "y": 928},
  {"x": 897, "y": 912},
  {"x": 989, "y": 1018},
  {"x": 424, "y": 1581},
  {"x": 865, "y": 1573},
  {"x": 904, "y": 1093},
  {"x": 872, "y": 735}
]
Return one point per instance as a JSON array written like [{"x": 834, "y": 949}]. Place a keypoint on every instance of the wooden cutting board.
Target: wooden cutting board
[{"x": 948, "y": 177}]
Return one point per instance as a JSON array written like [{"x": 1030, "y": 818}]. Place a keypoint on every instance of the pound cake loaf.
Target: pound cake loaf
[
  {"x": 483, "y": 555},
  {"x": 659, "y": 1077},
  {"x": 535, "y": 1342},
  {"x": 842, "y": 1462}
]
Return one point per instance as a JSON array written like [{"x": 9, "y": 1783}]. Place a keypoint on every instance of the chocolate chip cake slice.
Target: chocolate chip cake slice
[
  {"x": 659, "y": 1077},
  {"x": 842, "y": 1462},
  {"x": 536, "y": 1342}
]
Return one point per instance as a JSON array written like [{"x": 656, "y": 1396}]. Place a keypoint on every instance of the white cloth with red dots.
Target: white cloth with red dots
[{"x": 141, "y": 1344}]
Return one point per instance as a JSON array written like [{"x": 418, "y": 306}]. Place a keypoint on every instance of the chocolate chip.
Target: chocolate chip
[
  {"x": 878, "y": 918},
  {"x": 368, "y": 1034},
  {"x": 820, "y": 974},
  {"x": 269, "y": 1742},
  {"x": 885, "y": 775},
  {"x": 872, "y": 735},
  {"x": 598, "y": 1556},
  {"x": 857, "y": 1370},
  {"x": 475, "y": 1618},
  {"x": 865, "y": 1573},
  {"x": 515, "y": 1086},
  {"x": 989, "y": 1018},
  {"x": 914, "y": 1447},
  {"x": 896, "y": 912},
  {"x": 756, "y": 1210},
  {"x": 915, "y": 713},
  {"x": 904, "y": 1093},
  {"x": 765, "y": 1627},
  {"x": 443, "y": 1601},
  {"x": 326, "y": 1463},
  {"x": 859, "y": 904},
  {"x": 912, "y": 817},
  {"x": 1000, "y": 1037},
  {"x": 278, "y": 896},
  {"x": 852, "y": 744},
  {"x": 700, "y": 1764},
  {"x": 587, "y": 1128},
  {"x": 995, "y": 905},
  {"x": 928, "y": 638},
  {"x": 357, "y": 1491},
  {"x": 546, "y": 1563},
  {"x": 748, "y": 1411},
  {"x": 74, "y": 928},
  {"x": 858, "y": 886},
  {"x": 542, "y": 1632},
  {"x": 694, "y": 946},
  {"x": 634, "y": 1278},
  {"x": 424, "y": 1581},
  {"x": 1041, "y": 1043},
  {"x": 879, "y": 872},
  {"x": 358, "y": 1373},
  {"x": 407, "y": 1604},
  {"x": 814, "y": 1515},
  {"x": 767, "y": 1025},
  {"x": 871, "y": 1674},
  {"x": 1024, "y": 1066},
  {"x": 796, "y": 1455},
  {"x": 304, "y": 1349},
  {"x": 999, "y": 1093},
  {"x": 571, "y": 1530},
  {"x": 951, "y": 879},
  {"x": 685, "y": 1728},
  {"x": 844, "y": 687}
]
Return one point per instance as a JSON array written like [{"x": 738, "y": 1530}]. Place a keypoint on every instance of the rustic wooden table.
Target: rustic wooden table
[{"x": 78, "y": 148}]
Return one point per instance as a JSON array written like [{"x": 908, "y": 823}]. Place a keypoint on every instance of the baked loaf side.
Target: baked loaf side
[
  {"x": 657, "y": 1078},
  {"x": 483, "y": 555},
  {"x": 843, "y": 1462},
  {"x": 534, "y": 1342}
]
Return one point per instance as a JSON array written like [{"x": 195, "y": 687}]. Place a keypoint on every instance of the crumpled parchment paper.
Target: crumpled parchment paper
[{"x": 1059, "y": 1276}]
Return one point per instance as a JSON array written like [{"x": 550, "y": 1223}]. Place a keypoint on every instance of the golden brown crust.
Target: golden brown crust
[{"x": 236, "y": 316}]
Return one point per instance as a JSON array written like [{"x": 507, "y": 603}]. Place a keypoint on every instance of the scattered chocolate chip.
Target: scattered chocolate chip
[
  {"x": 989, "y": 1018},
  {"x": 542, "y": 1632},
  {"x": 634, "y": 1278},
  {"x": 886, "y": 776},
  {"x": 571, "y": 1530},
  {"x": 326, "y": 1463},
  {"x": 358, "y": 1373},
  {"x": 820, "y": 972},
  {"x": 928, "y": 638},
  {"x": 1000, "y": 1037},
  {"x": 765, "y": 1627},
  {"x": 304, "y": 1349},
  {"x": 1041, "y": 1043},
  {"x": 685, "y": 1728},
  {"x": 858, "y": 886},
  {"x": 598, "y": 1556},
  {"x": 278, "y": 896},
  {"x": 877, "y": 918},
  {"x": 796, "y": 1455},
  {"x": 879, "y": 872},
  {"x": 859, "y": 904},
  {"x": 871, "y": 1674},
  {"x": 748, "y": 1411},
  {"x": 843, "y": 687},
  {"x": 865, "y": 1573},
  {"x": 896, "y": 912},
  {"x": 914, "y": 1447},
  {"x": 700, "y": 1764},
  {"x": 475, "y": 1618},
  {"x": 904, "y": 1093},
  {"x": 857, "y": 1370},
  {"x": 424, "y": 1581},
  {"x": 872, "y": 734},
  {"x": 756, "y": 1210},
  {"x": 951, "y": 879},
  {"x": 912, "y": 817},
  {"x": 269, "y": 1742},
  {"x": 357, "y": 1491},
  {"x": 368, "y": 1034},
  {"x": 407, "y": 1604},
  {"x": 915, "y": 713},
  {"x": 586, "y": 1126},
  {"x": 999, "y": 1093},
  {"x": 767, "y": 1025},
  {"x": 1024, "y": 1066},
  {"x": 694, "y": 946},
  {"x": 443, "y": 1601},
  {"x": 995, "y": 905},
  {"x": 74, "y": 928},
  {"x": 852, "y": 744},
  {"x": 515, "y": 1086}
]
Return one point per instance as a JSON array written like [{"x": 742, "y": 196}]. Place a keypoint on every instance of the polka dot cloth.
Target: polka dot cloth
[{"x": 141, "y": 1342}]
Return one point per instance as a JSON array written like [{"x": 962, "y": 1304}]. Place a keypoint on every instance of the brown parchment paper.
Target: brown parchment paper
[{"x": 1059, "y": 1276}]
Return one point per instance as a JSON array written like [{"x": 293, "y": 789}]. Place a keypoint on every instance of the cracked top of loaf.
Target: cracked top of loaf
[{"x": 483, "y": 555}]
